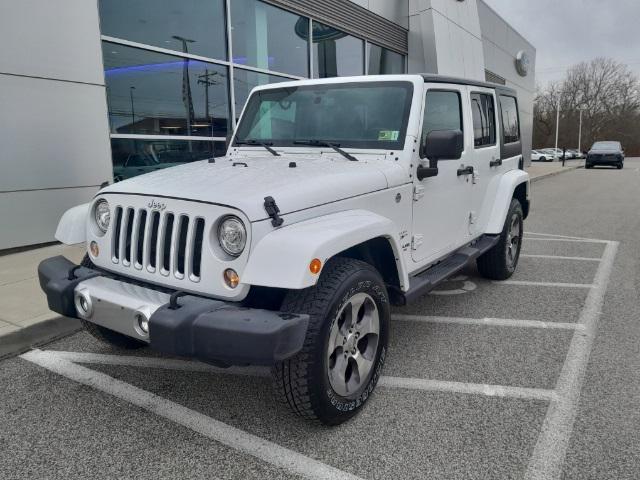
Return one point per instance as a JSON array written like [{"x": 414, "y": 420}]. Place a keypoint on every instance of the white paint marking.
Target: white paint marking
[
  {"x": 567, "y": 240},
  {"x": 543, "y": 284},
  {"x": 488, "y": 322},
  {"x": 559, "y": 257},
  {"x": 467, "y": 388},
  {"x": 551, "y": 448},
  {"x": 156, "y": 362},
  {"x": 215, "y": 430},
  {"x": 564, "y": 236}
]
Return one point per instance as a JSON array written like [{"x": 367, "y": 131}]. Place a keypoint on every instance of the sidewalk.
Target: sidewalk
[
  {"x": 24, "y": 315},
  {"x": 540, "y": 170}
]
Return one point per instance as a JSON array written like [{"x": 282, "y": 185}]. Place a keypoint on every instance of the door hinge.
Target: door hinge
[
  {"x": 418, "y": 192},
  {"x": 473, "y": 218},
  {"x": 416, "y": 242}
]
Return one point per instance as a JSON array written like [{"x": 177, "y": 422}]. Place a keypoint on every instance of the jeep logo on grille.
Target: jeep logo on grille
[{"x": 154, "y": 205}]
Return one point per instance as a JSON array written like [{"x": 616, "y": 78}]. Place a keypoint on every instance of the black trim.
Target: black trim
[
  {"x": 425, "y": 281},
  {"x": 431, "y": 78},
  {"x": 167, "y": 196}
]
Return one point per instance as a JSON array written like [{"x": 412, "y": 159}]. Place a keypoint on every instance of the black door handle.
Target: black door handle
[
  {"x": 496, "y": 163},
  {"x": 465, "y": 171}
]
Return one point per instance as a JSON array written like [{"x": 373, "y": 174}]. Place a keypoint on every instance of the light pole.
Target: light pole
[
  {"x": 582, "y": 109},
  {"x": 133, "y": 113},
  {"x": 557, "y": 122}
]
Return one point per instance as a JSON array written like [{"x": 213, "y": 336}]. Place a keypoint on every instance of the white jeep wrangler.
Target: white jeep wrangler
[{"x": 337, "y": 199}]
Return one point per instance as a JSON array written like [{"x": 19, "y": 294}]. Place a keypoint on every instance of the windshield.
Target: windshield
[
  {"x": 356, "y": 115},
  {"x": 606, "y": 146}
]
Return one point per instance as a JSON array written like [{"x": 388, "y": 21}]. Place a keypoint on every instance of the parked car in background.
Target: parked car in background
[
  {"x": 606, "y": 153},
  {"x": 549, "y": 152},
  {"x": 539, "y": 156},
  {"x": 574, "y": 153}
]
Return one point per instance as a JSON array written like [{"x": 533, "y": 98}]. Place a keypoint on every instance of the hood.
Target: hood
[{"x": 314, "y": 181}]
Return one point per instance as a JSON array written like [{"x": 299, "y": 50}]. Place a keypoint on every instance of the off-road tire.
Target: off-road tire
[
  {"x": 104, "y": 334},
  {"x": 302, "y": 381},
  {"x": 493, "y": 264}
]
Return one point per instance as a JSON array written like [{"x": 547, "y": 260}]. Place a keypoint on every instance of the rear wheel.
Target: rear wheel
[
  {"x": 336, "y": 371},
  {"x": 501, "y": 261},
  {"x": 104, "y": 334}
]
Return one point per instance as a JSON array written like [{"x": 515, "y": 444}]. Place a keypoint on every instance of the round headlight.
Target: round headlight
[
  {"x": 232, "y": 236},
  {"x": 102, "y": 215}
]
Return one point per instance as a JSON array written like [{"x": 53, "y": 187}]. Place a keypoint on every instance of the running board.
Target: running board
[{"x": 426, "y": 281}]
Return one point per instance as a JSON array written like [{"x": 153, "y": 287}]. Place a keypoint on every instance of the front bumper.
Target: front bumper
[
  {"x": 205, "y": 329},
  {"x": 604, "y": 160}
]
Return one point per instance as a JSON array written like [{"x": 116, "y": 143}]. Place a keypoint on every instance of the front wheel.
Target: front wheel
[
  {"x": 501, "y": 260},
  {"x": 620, "y": 165},
  {"x": 336, "y": 371}
]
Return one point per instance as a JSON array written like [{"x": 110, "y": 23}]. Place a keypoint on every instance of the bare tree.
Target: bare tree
[{"x": 609, "y": 94}]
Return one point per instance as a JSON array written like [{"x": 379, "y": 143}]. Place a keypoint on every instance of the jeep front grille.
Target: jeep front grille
[{"x": 166, "y": 243}]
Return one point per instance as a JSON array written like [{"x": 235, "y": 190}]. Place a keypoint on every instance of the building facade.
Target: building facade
[{"x": 102, "y": 90}]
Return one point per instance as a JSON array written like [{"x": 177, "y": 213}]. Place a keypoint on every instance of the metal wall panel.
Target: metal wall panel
[{"x": 351, "y": 18}]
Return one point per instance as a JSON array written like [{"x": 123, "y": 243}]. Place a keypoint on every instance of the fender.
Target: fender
[
  {"x": 504, "y": 194},
  {"x": 72, "y": 227},
  {"x": 281, "y": 258}
]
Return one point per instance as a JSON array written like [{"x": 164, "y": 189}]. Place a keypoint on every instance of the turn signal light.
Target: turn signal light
[
  {"x": 314, "y": 266},
  {"x": 231, "y": 278},
  {"x": 95, "y": 251}
]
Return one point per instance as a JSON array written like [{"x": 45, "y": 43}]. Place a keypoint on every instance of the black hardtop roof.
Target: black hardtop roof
[{"x": 433, "y": 78}]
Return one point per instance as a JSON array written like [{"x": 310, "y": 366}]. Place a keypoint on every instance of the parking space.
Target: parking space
[{"x": 481, "y": 381}]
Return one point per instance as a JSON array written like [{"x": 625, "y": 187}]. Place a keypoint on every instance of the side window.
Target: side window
[
  {"x": 510, "y": 122},
  {"x": 443, "y": 111},
  {"x": 484, "y": 120}
]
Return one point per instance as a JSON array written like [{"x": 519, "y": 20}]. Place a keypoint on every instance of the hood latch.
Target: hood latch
[{"x": 273, "y": 211}]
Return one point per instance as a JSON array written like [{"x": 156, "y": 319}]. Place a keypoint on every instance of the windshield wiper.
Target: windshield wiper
[
  {"x": 261, "y": 144},
  {"x": 324, "y": 143}
]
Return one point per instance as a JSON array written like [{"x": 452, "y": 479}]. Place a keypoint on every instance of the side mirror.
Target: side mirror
[{"x": 440, "y": 145}]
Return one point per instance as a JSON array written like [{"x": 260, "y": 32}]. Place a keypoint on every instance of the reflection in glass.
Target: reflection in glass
[
  {"x": 245, "y": 80},
  {"x": 383, "y": 61},
  {"x": 132, "y": 157},
  {"x": 159, "y": 22},
  {"x": 155, "y": 94},
  {"x": 335, "y": 53},
  {"x": 267, "y": 37}
]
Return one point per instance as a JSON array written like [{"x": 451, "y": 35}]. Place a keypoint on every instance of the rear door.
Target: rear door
[{"x": 486, "y": 156}]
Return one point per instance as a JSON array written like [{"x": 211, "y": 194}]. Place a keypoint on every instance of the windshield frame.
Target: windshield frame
[{"x": 399, "y": 144}]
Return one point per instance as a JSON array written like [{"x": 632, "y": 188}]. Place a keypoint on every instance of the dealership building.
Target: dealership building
[{"x": 93, "y": 91}]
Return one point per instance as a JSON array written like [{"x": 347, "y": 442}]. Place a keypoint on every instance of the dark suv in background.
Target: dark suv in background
[{"x": 605, "y": 153}]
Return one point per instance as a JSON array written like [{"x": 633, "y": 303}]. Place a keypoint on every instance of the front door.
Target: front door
[{"x": 442, "y": 203}]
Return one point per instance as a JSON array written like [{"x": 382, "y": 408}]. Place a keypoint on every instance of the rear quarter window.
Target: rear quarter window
[{"x": 510, "y": 120}]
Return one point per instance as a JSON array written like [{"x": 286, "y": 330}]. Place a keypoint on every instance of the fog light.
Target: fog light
[
  {"x": 143, "y": 323},
  {"x": 83, "y": 304},
  {"x": 231, "y": 278},
  {"x": 93, "y": 248}
]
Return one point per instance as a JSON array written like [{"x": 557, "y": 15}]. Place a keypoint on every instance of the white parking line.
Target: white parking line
[
  {"x": 551, "y": 448},
  {"x": 552, "y": 235},
  {"x": 488, "y": 322},
  {"x": 560, "y": 257},
  {"x": 567, "y": 240},
  {"x": 215, "y": 430},
  {"x": 192, "y": 366},
  {"x": 467, "y": 388},
  {"x": 543, "y": 284}
]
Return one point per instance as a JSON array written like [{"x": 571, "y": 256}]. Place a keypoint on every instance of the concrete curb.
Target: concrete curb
[
  {"x": 22, "y": 340},
  {"x": 557, "y": 172}
]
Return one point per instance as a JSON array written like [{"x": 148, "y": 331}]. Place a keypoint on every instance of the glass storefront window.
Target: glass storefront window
[
  {"x": 132, "y": 157},
  {"x": 270, "y": 38},
  {"x": 193, "y": 25},
  {"x": 383, "y": 61},
  {"x": 336, "y": 53},
  {"x": 245, "y": 80},
  {"x": 151, "y": 93}
]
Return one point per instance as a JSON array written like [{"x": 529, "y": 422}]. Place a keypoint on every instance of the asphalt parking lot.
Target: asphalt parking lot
[{"x": 533, "y": 378}]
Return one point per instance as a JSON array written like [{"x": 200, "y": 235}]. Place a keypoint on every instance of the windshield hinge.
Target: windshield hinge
[
  {"x": 418, "y": 192},
  {"x": 273, "y": 211}
]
